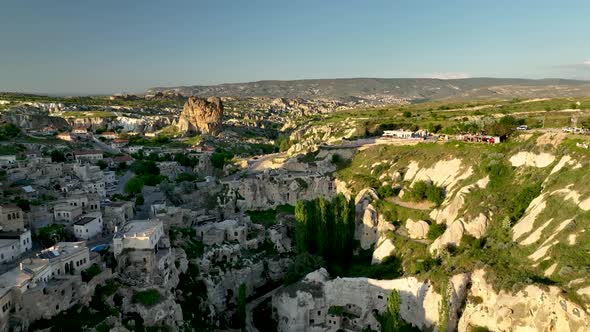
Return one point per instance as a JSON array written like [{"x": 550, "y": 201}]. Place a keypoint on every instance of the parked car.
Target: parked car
[{"x": 522, "y": 127}]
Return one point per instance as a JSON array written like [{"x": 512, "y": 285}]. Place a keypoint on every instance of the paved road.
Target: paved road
[
  {"x": 103, "y": 146},
  {"x": 264, "y": 162},
  {"x": 250, "y": 306}
]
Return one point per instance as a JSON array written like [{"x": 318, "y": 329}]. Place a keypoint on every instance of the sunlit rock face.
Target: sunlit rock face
[{"x": 203, "y": 115}]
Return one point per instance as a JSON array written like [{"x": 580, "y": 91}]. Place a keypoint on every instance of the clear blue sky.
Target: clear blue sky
[{"x": 74, "y": 46}]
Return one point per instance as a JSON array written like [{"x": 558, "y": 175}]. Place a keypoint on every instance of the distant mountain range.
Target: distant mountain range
[{"x": 416, "y": 89}]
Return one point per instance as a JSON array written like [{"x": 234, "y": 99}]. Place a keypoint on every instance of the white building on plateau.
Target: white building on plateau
[
  {"x": 138, "y": 235},
  {"x": 398, "y": 133},
  {"x": 88, "y": 226}
]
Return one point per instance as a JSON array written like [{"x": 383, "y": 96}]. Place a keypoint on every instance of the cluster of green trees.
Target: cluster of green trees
[
  {"x": 57, "y": 156},
  {"x": 147, "y": 298},
  {"x": 146, "y": 173},
  {"x": 387, "y": 191},
  {"x": 185, "y": 177},
  {"x": 326, "y": 228},
  {"x": 52, "y": 234},
  {"x": 392, "y": 321},
  {"x": 503, "y": 127},
  {"x": 182, "y": 158},
  {"x": 427, "y": 191},
  {"x": 154, "y": 141},
  {"x": 220, "y": 157},
  {"x": 8, "y": 131},
  {"x": 242, "y": 299}
]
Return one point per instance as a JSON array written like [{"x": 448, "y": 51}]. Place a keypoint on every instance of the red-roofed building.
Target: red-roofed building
[
  {"x": 119, "y": 143},
  {"x": 125, "y": 159}
]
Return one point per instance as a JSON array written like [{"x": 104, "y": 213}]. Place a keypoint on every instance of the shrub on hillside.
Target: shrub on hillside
[
  {"x": 435, "y": 230},
  {"x": 147, "y": 298},
  {"x": 523, "y": 199},
  {"x": 426, "y": 191},
  {"x": 387, "y": 191},
  {"x": 90, "y": 272}
]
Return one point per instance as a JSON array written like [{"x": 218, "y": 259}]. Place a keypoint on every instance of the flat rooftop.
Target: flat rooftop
[
  {"x": 65, "y": 206},
  {"x": 84, "y": 221},
  {"x": 8, "y": 242},
  {"x": 12, "y": 278},
  {"x": 11, "y": 235},
  {"x": 62, "y": 248},
  {"x": 138, "y": 228}
]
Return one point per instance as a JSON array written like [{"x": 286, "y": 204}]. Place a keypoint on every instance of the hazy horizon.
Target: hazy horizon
[{"x": 82, "y": 94}]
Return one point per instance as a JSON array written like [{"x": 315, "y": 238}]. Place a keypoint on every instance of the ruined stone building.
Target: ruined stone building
[{"x": 116, "y": 214}]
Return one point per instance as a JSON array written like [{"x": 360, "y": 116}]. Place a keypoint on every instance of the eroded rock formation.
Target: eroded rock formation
[
  {"x": 313, "y": 304},
  {"x": 204, "y": 115}
]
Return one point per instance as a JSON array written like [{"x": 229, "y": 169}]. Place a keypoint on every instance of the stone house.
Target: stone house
[
  {"x": 11, "y": 218},
  {"x": 88, "y": 226},
  {"x": 14, "y": 244},
  {"x": 85, "y": 172},
  {"x": 227, "y": 230},
  {"x": 95, "y": 187},
  {"x": 42, "y": 287},
  {"x": 127, "y": 160},
  {"x": 88, "y": 202},
  {"x": 116, "y": 214},
  {"x": 172, "y": 216},
  {"x": 170, "y": 169},
  {"x": 143, "y": 253},
  {"x": 39, "y": 216},
  {"x": 88, "y": 156},
  {"x": 157, "y": 207},
  {"x": 138, "y": 235},
  {"x": 52, "y": 170},
  {"x": 67, "y": 257},
  {"x": 65, "y": 213}
]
